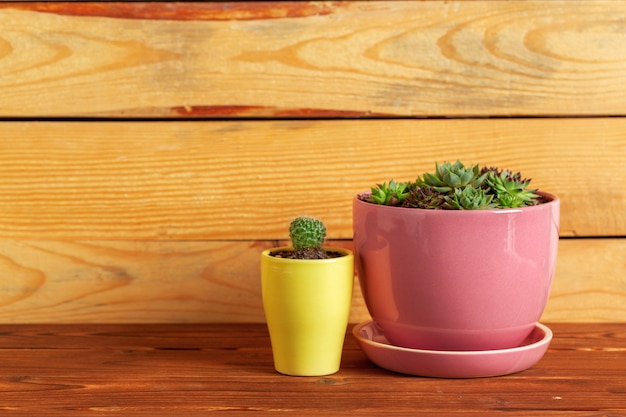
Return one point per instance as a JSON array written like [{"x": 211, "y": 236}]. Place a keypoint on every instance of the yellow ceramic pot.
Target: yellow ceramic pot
[{"x": 307, "y": 305}]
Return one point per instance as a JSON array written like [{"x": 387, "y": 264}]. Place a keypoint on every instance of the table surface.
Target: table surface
[{"x": 206, "y": 369}]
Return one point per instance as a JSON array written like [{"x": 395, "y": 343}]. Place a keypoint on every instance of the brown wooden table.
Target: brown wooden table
[{"x": 226, "y": 369}]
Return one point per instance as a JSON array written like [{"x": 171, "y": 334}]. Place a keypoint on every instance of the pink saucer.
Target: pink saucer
[{"x": 451, "y": 364}]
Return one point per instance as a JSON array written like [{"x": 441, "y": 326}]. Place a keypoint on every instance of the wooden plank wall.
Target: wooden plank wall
[{"x": 150, "y": 151}]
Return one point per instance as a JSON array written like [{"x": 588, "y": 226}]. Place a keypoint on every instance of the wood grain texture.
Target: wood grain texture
[
  {"x": 177, "y": 282},
  {"x": 195, "y": 370},
  {"x": 130, "y": 221},
  {"x": 311, "y": 59},
  {"x": 585, "y": 293},
  {"x": 247, "y": 180}
]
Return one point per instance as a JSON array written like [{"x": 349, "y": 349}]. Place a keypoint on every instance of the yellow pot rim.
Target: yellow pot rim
[{"x": 348, "y": 255}]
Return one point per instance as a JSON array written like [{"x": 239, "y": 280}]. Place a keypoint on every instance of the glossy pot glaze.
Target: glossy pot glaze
[
  {"x": 307, "y": 306},
  {"x": 456, "y": 279}
]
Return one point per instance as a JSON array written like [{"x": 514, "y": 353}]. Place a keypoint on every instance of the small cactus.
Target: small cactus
[
  {"x": 307, "y": 232},
  {"x": 307, "y": 237}
]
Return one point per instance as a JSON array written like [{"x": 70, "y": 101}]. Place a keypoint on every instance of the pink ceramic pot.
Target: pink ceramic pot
[{"x": 456, "y": 279}]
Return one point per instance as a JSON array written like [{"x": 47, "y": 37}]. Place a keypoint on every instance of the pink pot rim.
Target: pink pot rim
[{"x": 553, "y": 199}]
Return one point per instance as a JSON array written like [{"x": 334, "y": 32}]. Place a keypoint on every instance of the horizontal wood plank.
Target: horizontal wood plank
[
  {"x": 295, "y": 59},
  {"x": 247, "y": 180},
  {"x": 195, "y": 370},
  {"x": 585, "y": 293},
  {"x": 177, "y": 282}
]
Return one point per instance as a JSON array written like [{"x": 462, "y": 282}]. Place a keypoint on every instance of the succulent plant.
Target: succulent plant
[
  {"x": 468, "y": 198},
  {"x": 448, "y": 177},
  {"x": 389, "y": 195},
  {"x": 307, "y": 232},
  {"x": 424, "y": 197},
  {"x": 510, "y": 189},
  {"x": 458, "y": 187}
]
